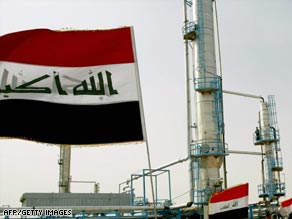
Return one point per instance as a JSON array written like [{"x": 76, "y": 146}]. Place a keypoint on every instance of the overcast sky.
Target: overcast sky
[{"x": 256, "y": 59}]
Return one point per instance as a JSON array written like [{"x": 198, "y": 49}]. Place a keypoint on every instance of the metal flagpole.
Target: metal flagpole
[{"x": 144, "y": 126}]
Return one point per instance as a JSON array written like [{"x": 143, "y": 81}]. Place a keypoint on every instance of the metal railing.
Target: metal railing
[
  {"x": 202, "y": 196},
  {"x": 190, "y": 30},
  {"x": 207, "y": 84},
  {"x": 208, "y": 148},
  {"x": 277, "y": 164},
  {"x": 264, "y": 136},
  {"x": 271, "y": 189}
]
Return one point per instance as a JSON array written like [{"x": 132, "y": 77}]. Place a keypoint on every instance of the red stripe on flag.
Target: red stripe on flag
[
  {"x": 68, "y": 48},
  {"x": 286, "y": 203},
  {"x": 230, "y": 193}
]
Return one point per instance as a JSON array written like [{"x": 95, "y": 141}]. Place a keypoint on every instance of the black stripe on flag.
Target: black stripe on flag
[
  {"x": 240, "y": 213},
  {"x": 71, "y": 124}
]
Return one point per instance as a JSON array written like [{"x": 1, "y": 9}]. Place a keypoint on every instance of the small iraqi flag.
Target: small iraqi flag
[
  {"x": 78, "y": 87},
  {"x": 230, "y": 203},
  {"x": 286, "y": 208}
]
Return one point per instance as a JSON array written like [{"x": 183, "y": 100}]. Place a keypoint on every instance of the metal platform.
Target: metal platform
[
  {"x": 199, "y": 149},
  {"x": 189, "y": 31}
]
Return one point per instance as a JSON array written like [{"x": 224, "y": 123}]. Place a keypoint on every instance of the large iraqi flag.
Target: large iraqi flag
[
  {"x": 70, "y": 87},
  {"x": 230, "y": 203}
]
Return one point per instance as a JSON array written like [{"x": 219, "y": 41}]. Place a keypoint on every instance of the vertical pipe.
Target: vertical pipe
[
  {"x": 220, "y": 66},
  {"x": 189, "y": 121},
  {"x": 156, "y": 190},
  {"x": 131, "y": 192},
  {"x": 144, "y": 189},
  {"x": 169, "y": 183},
  {"x": 64, "y": 168},
  {"x": 218, "y": 39},
  {"x": 263, "y": 174}
]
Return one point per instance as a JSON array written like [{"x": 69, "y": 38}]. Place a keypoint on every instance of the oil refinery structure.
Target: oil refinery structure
[{"x": 206, "y": 145}]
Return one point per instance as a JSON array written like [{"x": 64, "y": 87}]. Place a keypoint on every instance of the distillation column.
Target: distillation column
[
  {"x": 267, "y": 136},
  {"x": 208, "y": 148}
]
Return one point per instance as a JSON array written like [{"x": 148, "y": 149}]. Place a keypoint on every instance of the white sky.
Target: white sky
[{"x": 256, "y": 57}]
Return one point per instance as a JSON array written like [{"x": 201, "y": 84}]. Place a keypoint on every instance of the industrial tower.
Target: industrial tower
[
  {"x": 207, "y": 144},
  {"x": 268, "y": 138}
]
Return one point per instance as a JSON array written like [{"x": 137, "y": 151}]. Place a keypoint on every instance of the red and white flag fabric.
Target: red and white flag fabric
[
  {"x": 77, "y": 87},
  {"x": 230, "y": 203},
  {"x": 286, "y": 208}
]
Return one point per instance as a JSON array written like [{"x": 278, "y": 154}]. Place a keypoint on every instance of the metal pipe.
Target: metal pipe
[
  {"x": 218, "y": 38},
  {"x": 180, "y": 160},
  {"x": 246, "y": 152},
  {"x": 154, "y": 170},
  {"x": 189, "y": 122},
  {"x": 243, "y": 94},
  {"x": 144, "y": 189},
  {"x": 221, "y": 73},
  {"x": 263, "y": 173},
  {"x": 223, "y": 134},
  {"x": 170, "y": 195}
]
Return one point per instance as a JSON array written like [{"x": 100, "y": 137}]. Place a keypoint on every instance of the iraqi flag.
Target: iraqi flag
[
  {"x": 286, "y": 208},
  {"x": 70, "y": 87},
  {"x": 230, "y": 203}
]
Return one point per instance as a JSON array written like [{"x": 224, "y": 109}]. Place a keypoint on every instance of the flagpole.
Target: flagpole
[
  {"x": 64, "y": 168},
  {"x": 145, "y": 137}
]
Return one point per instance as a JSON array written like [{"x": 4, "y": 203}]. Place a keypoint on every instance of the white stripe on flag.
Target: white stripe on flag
[
  {"x": 229, "y": 205},
  {"x": 69, "y": 85}
]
